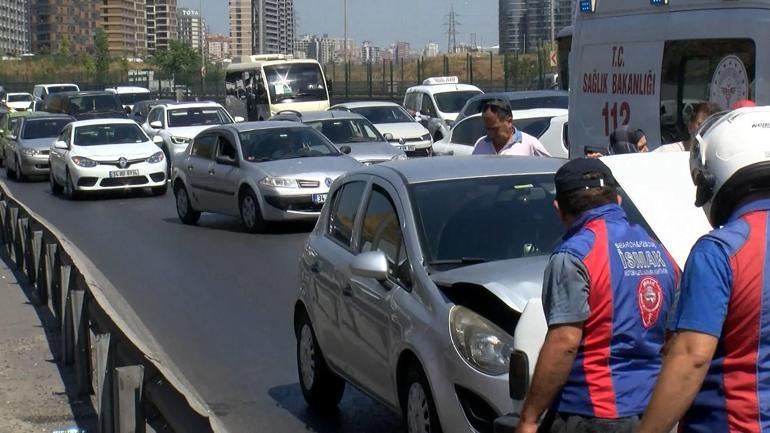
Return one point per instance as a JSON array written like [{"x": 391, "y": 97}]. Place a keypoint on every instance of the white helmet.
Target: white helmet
[{"x": 729, "y": 159}]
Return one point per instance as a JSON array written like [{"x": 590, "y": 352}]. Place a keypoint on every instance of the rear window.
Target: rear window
[
  {"x": 43, "y": 128},
  {"x": 60, "y": 89},
  {"x": 19, "y": 98},
  {"x": 453, "y": 102},
  {"x": 540, "y": 102},
  {"x": 92, "y": 103},
  {"x": 198, "y": 116}
]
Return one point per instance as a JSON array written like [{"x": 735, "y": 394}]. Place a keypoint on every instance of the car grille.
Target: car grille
[
  {"x": 157, "y": 177},
  {"x": 308, "y": 183},
  {"x": 419, "y": 153},
  {"x": 129, "y": 162},
  {"x": 408, "y": 140},
  {"x": 298, "y": 204},
  {"x": 44, "y": 152},
  {"x": 124, "y": 181}
]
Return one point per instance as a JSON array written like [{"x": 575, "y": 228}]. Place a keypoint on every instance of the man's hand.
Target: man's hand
[
  {"x": 684, "y": 368},
  {"x": 526, "y": 427}
]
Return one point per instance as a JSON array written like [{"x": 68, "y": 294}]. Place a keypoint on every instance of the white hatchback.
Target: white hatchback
[{"x": 106, "y": 154}]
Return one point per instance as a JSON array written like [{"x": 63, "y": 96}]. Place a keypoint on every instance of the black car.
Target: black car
[
  {"x": 525, "y": 100},
  {"x": 142, "y": 108},
  {"x": 86, "y": 105}
]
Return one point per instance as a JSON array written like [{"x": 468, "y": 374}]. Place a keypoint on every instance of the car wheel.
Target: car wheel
[
  {"x": 69, "y": 188},
  {"x": 320, "y": 386},
  {"x": 9, "y": 172},
  {"x": 20, "y": 176},
  {"x": 56, "y": 189},
  {"x": 168, "y": 163},
  {"x": 184, "y": 208},
  {"x": 251, "y": 216},
  {"x": 420, "y": 414},
  {"x": 160, "y": 190}
]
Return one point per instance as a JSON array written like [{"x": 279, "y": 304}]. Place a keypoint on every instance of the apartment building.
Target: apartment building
[
  {"x": 14, "y": 27},
  {"x": 63, "y": 25},
  {"x": 161, "y": 24},
  {"x": 217, "y": 47},
  {"x": 125, "y": 23},
  {"x": 191, "y": 28},
  {"x": 526, "y": 23},
  {"x": 241, "y": 28}
]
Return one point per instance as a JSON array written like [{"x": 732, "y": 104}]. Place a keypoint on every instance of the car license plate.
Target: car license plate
[
  {"x": 319, "y": 198},
  {"x": 124, "y": 173},
  {"x": 407, "y": 148}
]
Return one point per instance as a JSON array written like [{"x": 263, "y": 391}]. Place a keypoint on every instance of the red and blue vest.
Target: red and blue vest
[{"x": 632, "y": 285}]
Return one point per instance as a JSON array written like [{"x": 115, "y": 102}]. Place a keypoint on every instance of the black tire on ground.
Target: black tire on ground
[
  {"x": 69, "y": 188},
  {"x": 251, "y": 216},
  {"x": 160, "y": 190},
  {"x": 419, "y": 410},
  {"x": 56, "y": 189},
  {"x": 9, "y": 173},
  {"x": 184, "y": 208},
  {"x": 321, "y": 388},
  {"x": 20, "y": 176}
]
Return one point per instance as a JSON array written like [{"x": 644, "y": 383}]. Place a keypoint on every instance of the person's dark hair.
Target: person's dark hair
[
  {"x": 578, "y": 201},
  {"x": 500, "y": 108},
  {"x": 707, "y": 108}
]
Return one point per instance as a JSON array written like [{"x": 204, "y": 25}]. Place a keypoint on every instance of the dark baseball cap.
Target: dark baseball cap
[{"x": 571, "y": 176}]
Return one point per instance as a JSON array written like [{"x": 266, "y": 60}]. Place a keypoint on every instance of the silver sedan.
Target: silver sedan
[{"x": 259, "y": 171}]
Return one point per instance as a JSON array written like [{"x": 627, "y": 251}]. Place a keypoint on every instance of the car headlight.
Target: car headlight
[
  {"x": 399, "y": 157},
  {"x": 279, "y": 182},
  {"x": 29, "y": 152},
  {"x": 84, "y": 162},
  {"x": 485, "y": 346},
  {"x": 426, "y": 137},
  {"x": 180, "y": 140},
  {"x": 156, "y": 158}
]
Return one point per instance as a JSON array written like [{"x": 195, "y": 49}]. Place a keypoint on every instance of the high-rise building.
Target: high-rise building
[
  {"x": 67, "y": 26},
  {"x": 273, "y": 26},
  {"x": 526, "y": 23},
  {"x": 161, "y": 24},
  {"x": 431, "y": 49},
  {"x": 14, "y": 27},
  {"x": 402, "y": 51},
  {"x": 241, "y": 28},
  {"x": 370, "y": 53},
  {"x": 125, "y": 23},
  {"x": 191, "y": 28},
  {"x": 217, "y": 47}
]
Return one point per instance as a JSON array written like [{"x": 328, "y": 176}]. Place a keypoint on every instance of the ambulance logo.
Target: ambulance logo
[{"x": 650, "y": 301}]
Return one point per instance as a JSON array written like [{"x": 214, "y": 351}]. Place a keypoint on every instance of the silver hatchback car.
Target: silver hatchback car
[{"x": 260, "y": 171}]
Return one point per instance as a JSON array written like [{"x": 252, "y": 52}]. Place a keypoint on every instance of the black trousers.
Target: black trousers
[{"x": 568, "y": 423}]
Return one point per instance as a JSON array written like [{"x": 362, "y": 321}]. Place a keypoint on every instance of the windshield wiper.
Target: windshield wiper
[{"x": 460, "y": 261}]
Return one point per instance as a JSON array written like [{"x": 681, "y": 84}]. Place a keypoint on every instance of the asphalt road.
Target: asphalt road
[{"x": 219, "y": 300}]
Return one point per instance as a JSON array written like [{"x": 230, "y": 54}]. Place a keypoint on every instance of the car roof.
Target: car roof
[
  {"x": 103, "y": 122},
  {"x": 421, "y": 170},
  {"x": 329, "y": 115},
  {"x": 367, "y": 104},
  {"x": 130, "y": 89},
  {"x": 18, "y": 93},
  {"x": 55, "y": 85},
  {"x": 524, "y": 94},
  {"x": 263, "y": 124},
  {"x": 529, "y": 114},
  {"x": 47, "y": 115},
  {"x": 82, "y": 93},
  {"x": 443, "y": 88},
  {"x": 193, "y": 104}
]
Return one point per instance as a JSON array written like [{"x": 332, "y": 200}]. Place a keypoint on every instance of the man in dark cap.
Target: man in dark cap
[
  {"x": 627, "y": 140},
  {"x": 607, "y": 291}
]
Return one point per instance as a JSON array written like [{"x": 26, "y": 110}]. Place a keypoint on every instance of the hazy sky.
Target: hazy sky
[{"x": 381, "y": 21}]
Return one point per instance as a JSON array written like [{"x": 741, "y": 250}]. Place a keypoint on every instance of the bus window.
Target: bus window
[
  {"x": 295, "y": 82},
  {"x": 716, "y": 70}
]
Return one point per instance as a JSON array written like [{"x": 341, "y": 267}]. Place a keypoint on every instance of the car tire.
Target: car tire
[
  {"x": 168, "y": 162},
  {"x": 56, "y": 189},
  {"x": 69, "y": 188},
  {"x": 9, "y": 173},
  {"x": 20, "y": 176},
  {"x": 251, "y": 216},
  {"x": 160, "y": 190},
  {"x": 321, "y": 387},
  {"x": 419, "y": 409},
  {"x": 184, "y": 208}
]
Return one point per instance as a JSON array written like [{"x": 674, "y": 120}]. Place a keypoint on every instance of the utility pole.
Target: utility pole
[
  {"x": 452, "y": 23},
  {"x": 345, "y": 42},
  {"x": 553, "y": 22}
]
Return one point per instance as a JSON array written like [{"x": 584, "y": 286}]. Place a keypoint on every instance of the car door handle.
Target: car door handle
[
  {"x": 211, "y": 172},
  {"x": 315, "y": 268},
  {"x": 190, "y": 168},
  {"x": 347, "y": 291}
]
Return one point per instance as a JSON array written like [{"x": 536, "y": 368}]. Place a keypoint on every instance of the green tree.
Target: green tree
[
  {"x": 179, "y": 58},
  {"x": 102, "y": 55}
]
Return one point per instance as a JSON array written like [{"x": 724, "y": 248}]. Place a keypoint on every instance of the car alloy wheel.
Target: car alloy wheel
[
  {"x": 69, "y": 188},
  {"x": 306, "y": 356},
  {"x": 184, "y": 209},
  {"x": 250, "y": 213},
  {"x": 420, "y": 414},
  {"x": 19, "y": 174},
  {"x": 321, "y": 387}
]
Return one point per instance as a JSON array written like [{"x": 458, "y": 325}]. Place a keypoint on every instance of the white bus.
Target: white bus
[
  {"x": 644, "y": 63},
  {"x": 261, "y": 86}
]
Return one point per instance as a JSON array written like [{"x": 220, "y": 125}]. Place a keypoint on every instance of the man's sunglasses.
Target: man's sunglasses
[{"x": 497, "y": 106}]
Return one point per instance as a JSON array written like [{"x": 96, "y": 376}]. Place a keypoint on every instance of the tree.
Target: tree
[
  {"x": 102, "y": 55},
  {"x": 178, "y": 58}
]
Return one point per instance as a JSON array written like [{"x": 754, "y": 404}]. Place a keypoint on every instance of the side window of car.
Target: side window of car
[
  {"x": 427, "y": 106},
  {"x": 411, "y": 103},
  {"x": 381, "y": 231},
  {"x": 203, "y": 146},
  {"x": 65, "y": 135},
  {"x": 16, "y": 128},
  {"x": 226, "y": 148},
  {"x": 468, "y": 131},
  {"x": 344, "y": 212}
]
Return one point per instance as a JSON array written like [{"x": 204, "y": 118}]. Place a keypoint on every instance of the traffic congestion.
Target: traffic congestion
[{"x": 584, "y": 259}]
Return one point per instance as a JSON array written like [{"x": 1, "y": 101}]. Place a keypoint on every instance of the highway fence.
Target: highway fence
[{"x": 120, "y": 368}]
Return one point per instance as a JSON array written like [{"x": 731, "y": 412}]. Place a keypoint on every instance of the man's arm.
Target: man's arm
[
  {"x": 684, "y": 368},
  {"x": 553, "y": 367}
]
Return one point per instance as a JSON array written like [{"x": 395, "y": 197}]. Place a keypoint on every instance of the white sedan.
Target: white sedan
[
  {"x": 106, "y": 154},
  {"x": 549, "y": 125}
]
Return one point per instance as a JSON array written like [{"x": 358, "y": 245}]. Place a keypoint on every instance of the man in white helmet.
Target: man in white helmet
[{"x": 716, "y": 375}]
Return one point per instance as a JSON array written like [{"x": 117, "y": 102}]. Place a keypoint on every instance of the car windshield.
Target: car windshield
[
  {"x": 453, "y": 102},
  {"x": 284, "y": 143},
  {"x": 132, "y": 98},
  {"x": 471, "y": 129},
  {"x": 198, "y": 116},
  {"x": 384, "y": 114},
  {"x": 43, "y": 128},
  {"x": 20, "y": 98},
  {"x": 347, "y": 131},
  {"x": 295, "y": 82},
  {"x": 468, "y": 221},
  {"x": 92, "y": 103},
  {"x": 120, "y": 133}
]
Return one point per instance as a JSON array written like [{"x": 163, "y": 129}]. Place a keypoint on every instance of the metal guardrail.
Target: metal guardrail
[{"x": 132, "y": 382}]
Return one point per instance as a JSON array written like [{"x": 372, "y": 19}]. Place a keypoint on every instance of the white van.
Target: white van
[
  {"x": 437, "y": 103},
  {"x": 130, "y": 95},
  {"x": 43, "y": 90},
  {"x": 640, "y": 64}
]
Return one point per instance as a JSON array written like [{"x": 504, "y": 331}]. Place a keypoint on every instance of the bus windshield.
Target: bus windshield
[{"x": 295, "y": 82}]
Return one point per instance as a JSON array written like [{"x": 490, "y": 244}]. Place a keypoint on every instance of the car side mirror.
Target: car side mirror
[
  {"x": 12, "y": 137},
  {"x": 156, "y": 124},
  {"x": 157, "y": 140},
  {"x": 238, "y": 119},
  {"x": 60, "y": 145},
  {"x": 388, "y": 136},
  {"x": 226, "y": 160},
  {"x": 371, "y": 264},
  {"x": 346, "y": 150}
]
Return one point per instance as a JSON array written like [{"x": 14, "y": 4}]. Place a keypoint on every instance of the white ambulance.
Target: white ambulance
[{"x": 645, "y": 63}]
